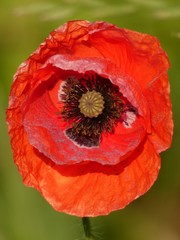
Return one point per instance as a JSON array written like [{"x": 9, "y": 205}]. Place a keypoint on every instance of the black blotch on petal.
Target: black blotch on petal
[{"x": 83, "y": 140}]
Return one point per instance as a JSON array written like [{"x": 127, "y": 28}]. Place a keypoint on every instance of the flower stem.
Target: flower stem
[{"x": 87, "y": 228}]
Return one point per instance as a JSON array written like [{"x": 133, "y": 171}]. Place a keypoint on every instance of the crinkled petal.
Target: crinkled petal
[
  {"x": 75, "y": 189},
  {"x": 45, "y": 127},
  {"x": 158, "y": 97},
  {"x": 45, "y": 131},
  {"x": 136, "y": 55}
]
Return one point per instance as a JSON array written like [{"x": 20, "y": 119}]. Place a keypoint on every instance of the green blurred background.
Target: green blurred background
[{"x": 24, "y": 214}]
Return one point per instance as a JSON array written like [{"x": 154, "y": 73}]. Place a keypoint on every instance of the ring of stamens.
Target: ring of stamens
[{"x": 91, "y": 104}]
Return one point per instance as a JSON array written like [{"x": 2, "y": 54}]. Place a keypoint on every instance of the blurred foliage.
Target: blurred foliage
[{"x": 24, "y": 214}]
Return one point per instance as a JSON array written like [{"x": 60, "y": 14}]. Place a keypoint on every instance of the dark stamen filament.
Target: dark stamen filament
[{"x": 92, "y": 106}]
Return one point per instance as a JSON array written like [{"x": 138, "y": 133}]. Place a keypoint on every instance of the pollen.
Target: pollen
[{"x": 91, "y": 104}]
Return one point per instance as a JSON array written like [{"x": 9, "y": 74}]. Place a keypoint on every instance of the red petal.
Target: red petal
[
  {"x": 75, "y": 189},
  {"x": 136, "y": 55},
  {"x": 46, "y": 129},
  {"x": 158, "y": 96}
]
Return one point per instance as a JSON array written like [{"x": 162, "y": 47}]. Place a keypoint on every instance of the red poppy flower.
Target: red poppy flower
[{"x": 89, "y": 112}]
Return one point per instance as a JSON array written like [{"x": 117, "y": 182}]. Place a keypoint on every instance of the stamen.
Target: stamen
[{"x": 91, "y": 104}]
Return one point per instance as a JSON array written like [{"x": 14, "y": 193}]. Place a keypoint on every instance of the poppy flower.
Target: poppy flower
[{"x": 89, "y": 112}]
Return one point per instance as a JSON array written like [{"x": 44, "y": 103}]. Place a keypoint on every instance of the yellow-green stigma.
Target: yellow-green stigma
[{"x": 91, "y": 104}]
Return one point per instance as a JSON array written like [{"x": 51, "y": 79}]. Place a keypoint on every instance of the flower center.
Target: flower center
[{"x": 91, "y": 104}]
